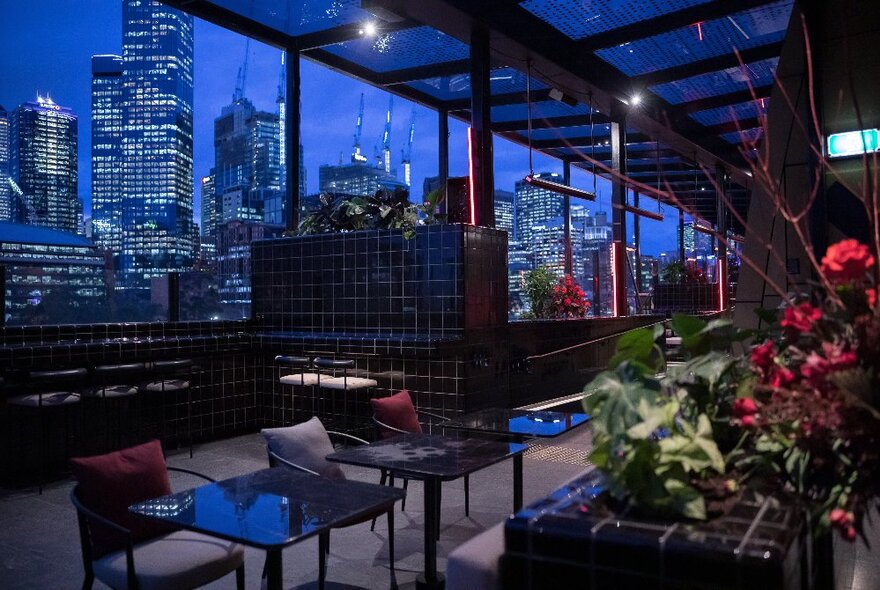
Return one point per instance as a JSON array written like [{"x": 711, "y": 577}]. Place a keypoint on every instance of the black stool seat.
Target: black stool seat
[
  {"x": 334, "y": 363},
  {"x": 166, "y": 385},
  {"x": 292, "y": 361},
  {"x": 111, "y": 391},
  {"x": 49, "y": 399},
  {"x": 58, "y": 375}
]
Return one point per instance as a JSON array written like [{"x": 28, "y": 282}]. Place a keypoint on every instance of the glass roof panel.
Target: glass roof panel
[
  {"x": 298, "y": 18},
  {"x": 544, "y": 109},
  {"x": 743, "y": 110},
  {"x": 409, "y": 48},
  {"x": 579, "y": 19},
  {"x": 715, "y": 83},
  {"x": 502, "y": 81},
  {"x": 743, "y": 30},
  {"x": 569, "y": 132},
  {"x": 746, "y": 135}
]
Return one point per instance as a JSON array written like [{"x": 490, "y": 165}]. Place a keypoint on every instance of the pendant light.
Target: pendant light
[{"x": 531, "y": 178}]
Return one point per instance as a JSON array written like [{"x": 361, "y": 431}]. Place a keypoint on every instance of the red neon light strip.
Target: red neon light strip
[
  {"x": 700, "y": 30},
  {"x": 471, "y": 193},
  {"x": 722, "y": 281},
  {"x": 614, "y": 311}
]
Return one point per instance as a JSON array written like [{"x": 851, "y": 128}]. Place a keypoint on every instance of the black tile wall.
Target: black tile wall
[{"x": 378, "y": 282}]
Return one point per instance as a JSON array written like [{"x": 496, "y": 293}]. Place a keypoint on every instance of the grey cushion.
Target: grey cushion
[
  {"x": 304, "y": 379},
  {"x": 348, "y": 383},
  {"x": 304, "y": 444},
  {"x": 112, "y": 391},
  {"x": 166, "y": 385},
  {"x": 56, "y": 398},
  {"x": 473, "y": 565},
  {"x": 182, "y": 559}
]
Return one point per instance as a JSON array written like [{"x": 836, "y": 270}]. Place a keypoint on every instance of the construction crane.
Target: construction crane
[
  {"x": 356, "y": 156},
  {"x": 241, "y": 79},
  {"x": 406, "y": 153},
  {"x": 385, "y": 159}
]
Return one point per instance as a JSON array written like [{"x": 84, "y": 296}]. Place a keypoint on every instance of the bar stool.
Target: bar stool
[
  {"x": 115, "y": 385},
  {"x": 55, "y": 390},
  {"x": 344, "y": 383},
  {"x": 172, "y": 378},
  {"x": 296, "y": 379}
]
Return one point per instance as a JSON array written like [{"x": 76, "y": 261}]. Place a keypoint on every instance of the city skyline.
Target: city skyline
[{"x": 61, "y": 68}]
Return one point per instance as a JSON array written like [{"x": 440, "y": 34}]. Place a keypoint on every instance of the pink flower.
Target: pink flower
[
  {"x": 747, "y": 421},
  {"x": 782, "y": 377},
  {"x": 764, "y": 354},
  {"x": 871, "y": 297},
  {"x": 847, "y": 261},
  {"x": 800, "y": 318},
  {"x": 744, "y": 406}
]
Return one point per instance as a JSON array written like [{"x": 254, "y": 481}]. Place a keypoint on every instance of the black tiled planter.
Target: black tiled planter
[
  {"x": 685, "y": 298},
  {"x": 563, "y": 540}
]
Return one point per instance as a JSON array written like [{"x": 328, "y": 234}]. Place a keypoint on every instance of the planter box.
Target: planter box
[
  {"x": 560, "y": 542},
  {"x": 685, "y": 298},
  {"x": 443, "y": 282}
]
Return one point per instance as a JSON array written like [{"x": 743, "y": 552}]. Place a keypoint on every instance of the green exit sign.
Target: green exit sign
[{"x": 853, "y": 143}]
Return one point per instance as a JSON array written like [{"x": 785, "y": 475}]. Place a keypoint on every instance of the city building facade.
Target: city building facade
[
  {"x": 107, "y": 153},
  {"x": 43, "y": 163},
  {"x": 5, "y": 188},
  {"x": 157, "y": 142}
]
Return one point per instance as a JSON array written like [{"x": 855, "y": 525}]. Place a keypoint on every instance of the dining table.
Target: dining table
[
  {"x": 515, "y": 424},
  {"x": 271, "y": 509},
  {"x": 434, "y": 459}
]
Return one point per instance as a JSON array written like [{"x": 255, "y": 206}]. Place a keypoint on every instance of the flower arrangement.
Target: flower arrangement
[
  {"x": 569, "y": 300},
  {"x": 797, "y": 412}
]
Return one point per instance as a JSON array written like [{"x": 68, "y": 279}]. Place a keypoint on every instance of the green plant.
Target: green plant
[
  {"x": 383, "y": 210},
  {"x": 539, "y": 289}
]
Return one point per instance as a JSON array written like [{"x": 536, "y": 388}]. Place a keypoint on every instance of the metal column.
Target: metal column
[
  {"x": 619, "y": 303},
  {"x": 292, "y": 136},
  {"x": 566, "y": 216},
  {"x": 721, "y": 180},
  {"x": 481, "y": 130},
  {"x": 681, "y": 254},
  {"x": 443, "y": 146}
]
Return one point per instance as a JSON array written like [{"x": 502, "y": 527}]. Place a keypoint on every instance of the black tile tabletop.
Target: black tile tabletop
[
  {"x": 519, "y": 423},
  {"x": 429, "y": 455},
  {"x": 271, "y": 508}
]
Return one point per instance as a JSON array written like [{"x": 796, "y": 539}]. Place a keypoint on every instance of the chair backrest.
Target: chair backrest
[
  {"x": 304, "y": 445},
  {"x": 298, "y": 362},
  {"x": 396, "y": 411},
  {"x": 110, "y": 483}
]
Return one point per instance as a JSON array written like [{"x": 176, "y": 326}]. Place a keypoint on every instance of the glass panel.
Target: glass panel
[
  {"x": 744, "y": 136},
  {"x": 502, "y": 81},
  {"x": 297, "y": 18},
  {"x": 743, "y": 110},
  {"x": 715, "y": 83},
  {"x": 743, "y": 30},
  {"x": 579, "y": 19},
  {"x": 545, "y": 109},
  {"x": 410, "y": 48}
]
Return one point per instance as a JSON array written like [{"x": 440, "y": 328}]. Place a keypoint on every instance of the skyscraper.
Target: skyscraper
[
  {"x": 356, "y": 179},
  {"x": 504, "y": 212},
  {"x": 43, "y": 160},
  {"x": 5, "y": 189},
  {"x": 157, "y": 142},
  {"x": 535, "y": 207},
  {"x": 247, "y": 164},
  {"x": 107, "y": 153}
]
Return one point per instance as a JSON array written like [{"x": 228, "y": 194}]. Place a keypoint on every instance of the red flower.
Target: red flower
[
  {"x": 763, "y": 355},
  {"x": 744, "y": 406},
  {"x": 871, "y": 296},
  {"x": 782, "y": 377},
  {"x": 847, "y": 261},
  {"x": 747, "y": 421},
  {"x": 800, "y": 318}
]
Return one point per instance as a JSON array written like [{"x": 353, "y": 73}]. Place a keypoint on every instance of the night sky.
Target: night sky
[{"x": 46, "y": 46}]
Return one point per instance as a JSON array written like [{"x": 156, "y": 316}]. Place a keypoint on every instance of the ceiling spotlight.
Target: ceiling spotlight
[
  {"x": 635, "y": 100},
  {"x": 369, "y": 29}
]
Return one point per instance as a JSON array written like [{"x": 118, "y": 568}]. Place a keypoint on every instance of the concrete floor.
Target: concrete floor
[{"x": 39, "y": 543}]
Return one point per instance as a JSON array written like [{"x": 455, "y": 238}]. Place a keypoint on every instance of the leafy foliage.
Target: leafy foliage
[
  {"x": 539, "y": 288},
  {"x": 384, "y": 210}
]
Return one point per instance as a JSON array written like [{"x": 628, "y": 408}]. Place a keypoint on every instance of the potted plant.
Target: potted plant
[{"x": 550, "y": 297}]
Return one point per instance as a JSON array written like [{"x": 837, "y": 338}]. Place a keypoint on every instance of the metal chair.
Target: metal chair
[
  {"x": 54, "y": 390},
  {"x": 343, "y": 384},
  {"x": 297, "y": 378},
  {"x": 324, "y": 539},
  {"x": 172, "y": 377},
  {"x": 175, "y": 560},
  {"x": 382, "y": 428}
]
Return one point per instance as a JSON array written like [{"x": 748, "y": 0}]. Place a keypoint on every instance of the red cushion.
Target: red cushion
[
  {"x": 109, "y": 484},
  {"x": 398, "y": 411}
]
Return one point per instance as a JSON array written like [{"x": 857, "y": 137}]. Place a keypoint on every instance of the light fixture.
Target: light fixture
[
  {"x": 533, "y": 179},
  {"x": 635, "y": 99},
  {"x": 556, "y": 187},
  {"x": 369, "y": 29},
  {"x": 638, "y": 211}
]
